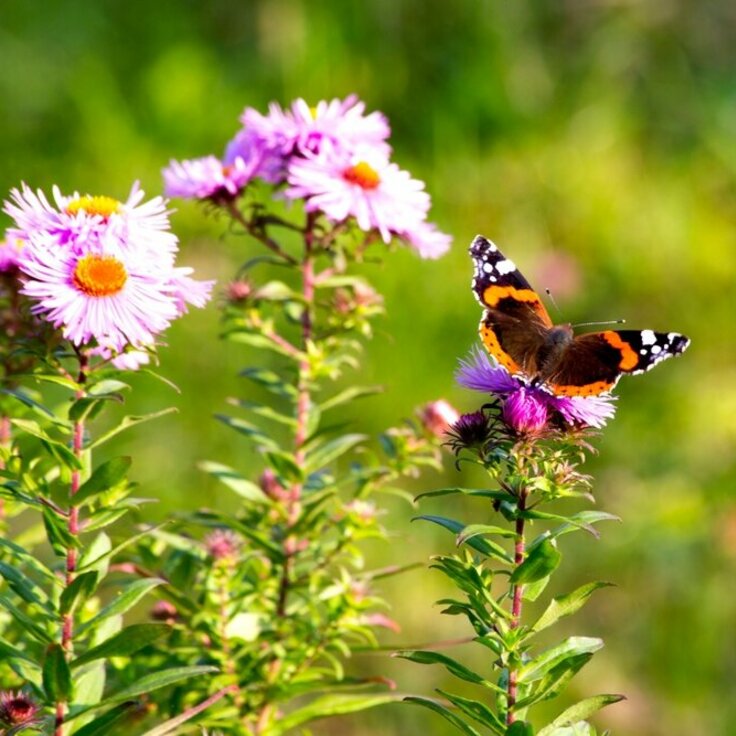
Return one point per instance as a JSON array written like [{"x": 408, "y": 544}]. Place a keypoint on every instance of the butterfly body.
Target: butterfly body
[{"x": 517, "y": 331}]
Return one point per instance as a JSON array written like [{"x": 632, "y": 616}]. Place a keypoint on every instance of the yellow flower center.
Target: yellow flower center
[
  {"x": 102, "y": 206},
  {"x": 99, "y": 275},
  {"x": 313, "y": 112},
  {"x": 362, "y": 174}
]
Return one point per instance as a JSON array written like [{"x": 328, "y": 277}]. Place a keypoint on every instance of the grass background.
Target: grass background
[{"x": 594, "y": 141}]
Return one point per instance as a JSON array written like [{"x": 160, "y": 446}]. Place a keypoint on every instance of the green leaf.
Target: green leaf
[
  {"x": 57, "y": 533},
  {"x": 24, "y": 557},
  {"x": 80, "y": 589},
  {"x": 130, "y": 421},
  {"x": 8, "y": 651},
  {"x": 451, "y": 665},
  {"x": 249, "y": 430},
  {"x": 24, "y": 586},
  {"x": 128, "y": 596},
  {"x": 544, "y": 662},
  {"x": 265, "y": 411},
  {"x": 476, "y": 710},
  {"x": 234, "y": 481},
  {"x": 532, "y": 591},
  {"x": 331, "y": 450},
  {"x": 581, "y": 711},
  {"x": 104, "y": 477},
  {"x": 484, "y": 546},
  {"x": 271, "y": 381},
  {"x": 25, "y": 621},
  {"x": 446, "y": 713},
  {"x": 101, "y": 725},
  {"x": 124, "y": 643},
  {"x": 520, "y": 728},
  {"x": 157, "y": 680},
  {"x": 474, "y": 530},
  {"x": 348, "y": 395},
  {"x": 57, "y": 678},
  {"x": 284, "y": 465},
  {"x": 541, "y": 561},
  {"x": 37, "y": 408},
  {"x": 566, "y": 605},
  {"x": 496, "y": 495},
  {"x": 555, "y": 681}
]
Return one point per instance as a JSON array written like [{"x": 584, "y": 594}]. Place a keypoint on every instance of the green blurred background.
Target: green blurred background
[{"x": 594, "y": 141}]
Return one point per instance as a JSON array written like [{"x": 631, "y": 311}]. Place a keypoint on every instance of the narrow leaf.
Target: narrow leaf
[
  {"x": 104, "y": 477},
  {"x": 234, "y": 481},
  {"x": 124, "y": 643},
  {"x": 126, "y": 599},
  {"x": 80, "y": 589},
  {"x": 542, "y": 560},
  {"x": 101, "y": 725},
  {"x": 520, "y": 728},
  {"x": 476, "y": 710},
  {"x": 57, "y": 679},
  {"x": 157, "y": 680},
  {"x": 446, "y": 713},
  {"x": 348, "y": 395},
  {"x": 451, "y": 665},
  {"x": 544, "y": 662},
  {"x": 484, "y": 546},
  {"x": 130, "y": 421},
  {"x": 581, "y": 711},
  {"x": 331, "y": 450},
  {"x": 566, "y": 605}
]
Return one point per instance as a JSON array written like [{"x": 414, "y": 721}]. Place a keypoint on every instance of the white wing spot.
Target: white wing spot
[
  {"x": 505, "y": 266},
  {"x": 648, "y": 337},
  {"x": 656, "y": 349},
  {"x": 487, "y": 267},
  {"x": 643, "y": 351},
  {"x": 493, "y": 278}
]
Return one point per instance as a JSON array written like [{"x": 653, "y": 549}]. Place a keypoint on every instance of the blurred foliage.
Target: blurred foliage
[{"x": 594, "y": 141}]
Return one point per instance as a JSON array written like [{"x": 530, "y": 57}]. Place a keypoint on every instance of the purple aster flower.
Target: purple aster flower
[
  {"x": 339, "y": 124},
  {"x": 527, "y": 407},
  {"x": 470, "y": 430},
  {"x": 17, "y": 709},
  {"x": 427, "y": 240},
  {"x": 248, "y": 146},
  {"x": 209, "y": 178},
  {"x": 362, "y": 185}
]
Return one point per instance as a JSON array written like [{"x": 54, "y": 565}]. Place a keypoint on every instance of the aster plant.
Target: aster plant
[
  {"x": 89, "y": 285},
  {"x": 276, "y": 595},
  {"x": 532, "y": 444}
]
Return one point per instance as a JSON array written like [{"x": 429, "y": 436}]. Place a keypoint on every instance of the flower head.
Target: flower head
[
  {"x": 102, "y": 270},
  {"x": 17, "y": 709},
  {"x": 222, "y": 544},
  {"x": 363, "y": 185},
  {"x": 529, "y": 407},
  {"x": 209, "y": 178},
  {"x": 301, "y": 129},
  {"x": 10, "y": 250},
  {"x": 438, "y": 416},
  {"x": 470, "y": 430}
]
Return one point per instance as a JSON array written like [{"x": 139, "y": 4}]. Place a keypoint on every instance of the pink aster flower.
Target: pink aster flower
[
  {"x": 74, "y": 221},
  {"x": 362, "y": 185},
  {"x": 10, "y": 250},
  {"x": 427, "y": 240},
  {"x": 114, "y": 299},
  {"x": 340, "y": 124},
  {"x": 248, "y": 146},
  {"x": 209, "y": 178},
  {"x": 187, "y": 290},
  {"x": 527, "y": 407}
]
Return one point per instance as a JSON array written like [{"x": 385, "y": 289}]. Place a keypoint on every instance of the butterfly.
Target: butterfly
[{"x": 518, "y": 332}]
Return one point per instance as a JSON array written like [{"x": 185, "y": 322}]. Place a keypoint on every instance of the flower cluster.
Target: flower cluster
[
  {"x": 526, "y": 407},
  {"x": 332, "y": 156},
  {"x": 101, "y": 270}
]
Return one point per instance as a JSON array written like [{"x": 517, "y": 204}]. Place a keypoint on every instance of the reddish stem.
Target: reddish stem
[
  {"x": 67, "y": 622},
  {"x": 516, "y": 605}
]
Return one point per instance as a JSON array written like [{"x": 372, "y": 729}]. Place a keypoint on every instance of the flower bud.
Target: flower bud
[
  {"x": 438, "y": 416},
  {"x": 222, "y": 544},
  {"x": 17, "y": 709}
]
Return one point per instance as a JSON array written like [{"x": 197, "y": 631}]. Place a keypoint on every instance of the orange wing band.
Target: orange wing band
[
  {"x": 629, "y": 358},
  {"x": 493, "y": 346},
  {"x": 494, "y": 294},
  {"x": 591, "y": 389}
]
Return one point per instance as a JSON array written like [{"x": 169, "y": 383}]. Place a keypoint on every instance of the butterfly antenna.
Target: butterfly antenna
[
  {"x": 552, "y": 299},
  {"x": 606, "y": 322}
]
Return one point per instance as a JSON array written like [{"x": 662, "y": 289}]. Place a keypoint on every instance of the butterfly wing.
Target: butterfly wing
[
  {"x": 515, "y": 322},
  {"x": 593, "y": 362}
]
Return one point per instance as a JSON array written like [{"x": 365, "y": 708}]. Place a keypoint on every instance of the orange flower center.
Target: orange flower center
[
  {"x": 99, "y": 275},
  {"x": 362, "y": 174},
  {"x": 102, "y": 206}
]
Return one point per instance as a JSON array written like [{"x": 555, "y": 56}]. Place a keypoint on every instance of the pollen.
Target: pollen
[
  {"x": 99, "y": 275},
  {"x": 98, "y": 205},
  {"x": 362, "y": 174}
]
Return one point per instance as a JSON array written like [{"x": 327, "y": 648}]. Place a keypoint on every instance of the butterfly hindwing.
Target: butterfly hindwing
[
  {"x": 593, "y": 363},
  {"x": 515, "y": 321}
]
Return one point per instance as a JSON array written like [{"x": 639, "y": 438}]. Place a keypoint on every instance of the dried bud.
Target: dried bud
[
  {"x": 366, "y": 296},
  {"x": 362, "y": 511},
  {"x": 17, "y": 709},
  {"x": 470, "y": 431},
  {"x": 164, "y": 611},
  {"x": 222, "y": 544},
  {"x": 438, "y": 416}
]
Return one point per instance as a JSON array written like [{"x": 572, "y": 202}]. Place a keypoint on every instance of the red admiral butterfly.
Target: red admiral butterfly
[{"x": 518, "y": 332}]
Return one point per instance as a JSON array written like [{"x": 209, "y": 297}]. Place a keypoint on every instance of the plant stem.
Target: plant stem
[
  {"x": 67, "y": 622},
  {"x": 516, "y": 606},
  {"x": 4, "y": 442},
  {"x": 258, "y": 233}
]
